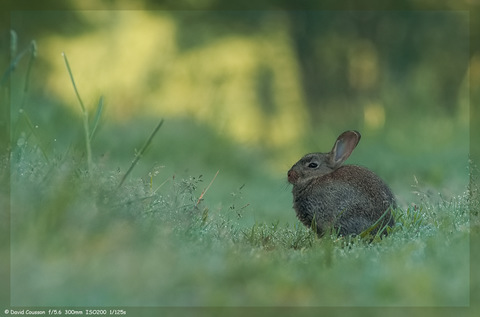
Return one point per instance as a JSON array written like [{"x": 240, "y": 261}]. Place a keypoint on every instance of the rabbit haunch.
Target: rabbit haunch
[{"x": 346, "y": 198}]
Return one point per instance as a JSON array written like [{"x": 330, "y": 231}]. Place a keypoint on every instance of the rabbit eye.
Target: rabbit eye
[{"x": 313, "y": 165}]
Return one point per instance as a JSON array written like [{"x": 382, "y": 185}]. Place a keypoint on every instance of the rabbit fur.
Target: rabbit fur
[{"x": 347, "y": 199}]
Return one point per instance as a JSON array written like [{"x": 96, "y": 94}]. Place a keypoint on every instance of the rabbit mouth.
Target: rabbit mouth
[{"x": 292, "y": 177}]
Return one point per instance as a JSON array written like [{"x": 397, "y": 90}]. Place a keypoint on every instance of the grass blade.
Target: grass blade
[
  {"x": 139, "y": 154},
  {"x": 206, "y": 189},
  {"x": 73, "y": 81},
  {"x": 16, "y": 60},
  {"x": 33, "y": 55},
  {"x": 85, "y": 115},
  {"x": 376, "y": 225},
  {"x": 96, "y": 120}
]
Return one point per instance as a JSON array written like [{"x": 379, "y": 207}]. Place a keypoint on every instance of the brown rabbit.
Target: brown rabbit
[{"x": 348, "y": 199}]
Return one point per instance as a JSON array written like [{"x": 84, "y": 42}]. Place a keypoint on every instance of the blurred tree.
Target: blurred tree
[
  {"x": 350, "y": 59},
  {"x": 351, "y": 68},
  {"x": 435, "y": 43}
]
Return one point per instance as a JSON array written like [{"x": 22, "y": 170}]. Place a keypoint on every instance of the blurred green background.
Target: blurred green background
[
  {"x": 246, "y": 93},
  {"x": 277, "y": 83}
]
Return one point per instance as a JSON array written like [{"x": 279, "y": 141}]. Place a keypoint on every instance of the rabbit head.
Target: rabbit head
[{"x": 315, "y": 165}]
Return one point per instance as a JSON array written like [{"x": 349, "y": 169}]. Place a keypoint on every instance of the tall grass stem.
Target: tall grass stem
[
  {"x": 206, "y": 189},
  {"x": 33, "y": 55},
  {"x": 139, "y": 154},
  {"x": 85, "y": 115},
  {"x": 96, "y": 119}
]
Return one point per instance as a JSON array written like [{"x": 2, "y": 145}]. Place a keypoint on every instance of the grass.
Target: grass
[
  {"x": 79, "y": 239},
  {"x": 228, "y": 238}
]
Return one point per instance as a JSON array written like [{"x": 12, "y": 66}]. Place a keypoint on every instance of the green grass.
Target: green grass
[{"x": 78, "y": 238}]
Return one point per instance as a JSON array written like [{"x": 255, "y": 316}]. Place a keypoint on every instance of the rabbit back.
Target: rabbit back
[{"x": 348, "y": 200}]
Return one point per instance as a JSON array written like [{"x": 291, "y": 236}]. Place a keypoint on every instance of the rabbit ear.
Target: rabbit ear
[{"x": 343, "y": 147}]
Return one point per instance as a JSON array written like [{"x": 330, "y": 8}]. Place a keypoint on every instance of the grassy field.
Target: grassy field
[
  {"x": 78, "y": 239},
  {"x": 204, "y": 221}
]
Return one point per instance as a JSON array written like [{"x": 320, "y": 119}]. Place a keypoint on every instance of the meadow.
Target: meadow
[
  {"x": 79, "y": 240},
  {"x": 188, "y": 238},
  {"x": 117, "y": 213}
]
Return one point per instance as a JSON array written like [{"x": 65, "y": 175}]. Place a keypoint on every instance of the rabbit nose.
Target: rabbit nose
[{"x": 292, "y": 177}]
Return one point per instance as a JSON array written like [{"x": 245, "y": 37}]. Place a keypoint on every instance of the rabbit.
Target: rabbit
[{"x": 347, "y": 199}]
